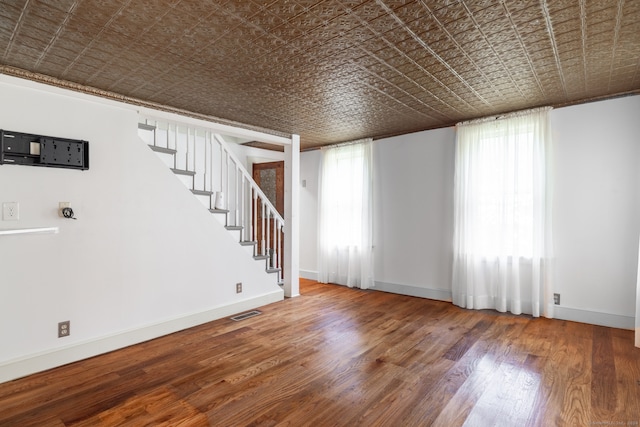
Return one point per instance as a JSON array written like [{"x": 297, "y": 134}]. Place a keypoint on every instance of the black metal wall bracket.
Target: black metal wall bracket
[{"x": 19, "y": 148}]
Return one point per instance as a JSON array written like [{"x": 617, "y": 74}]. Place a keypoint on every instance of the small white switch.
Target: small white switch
[{"x": 10, "y": 211}]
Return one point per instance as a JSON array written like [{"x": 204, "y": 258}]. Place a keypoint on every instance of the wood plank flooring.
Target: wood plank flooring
[{"x": 346, "y": 357}]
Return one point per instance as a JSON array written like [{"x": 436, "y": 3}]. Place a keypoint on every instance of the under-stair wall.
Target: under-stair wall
[
  {"x": 143, "y": 258},
  {"x": 205, "y": 163}
]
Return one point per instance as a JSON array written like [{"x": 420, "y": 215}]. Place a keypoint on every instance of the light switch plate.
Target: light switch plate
[{"x": 10, "y": 211}]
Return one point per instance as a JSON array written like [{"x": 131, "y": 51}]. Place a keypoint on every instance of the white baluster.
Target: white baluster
[
  {"x": 269, "y": 238},
  {"x": 235, "y": 194},
  {"x": 281, "y": 273},
  {"x": 221, "y": 167},
  {"x": 211, "y": 163},
  {"x": 155, "y": 124},
  {"x": 226, "y": 194},
  {"x": 275, "y": 243},
  {"x": 279, "y": 246},
  {"x": 175, "y": 142},
  {"x": 262, "y": 215},
  {"x": 254, "y": 216},
  {"x": 204, "y": 160},
  {"x": 244, "y": 213},
  {"x": 186, "y": 154},
  {"x": 195, "y": 163}
]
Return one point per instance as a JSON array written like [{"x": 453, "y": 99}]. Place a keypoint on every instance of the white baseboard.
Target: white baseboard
[
  {"x": 308, "y": 274},
  {"x": 31, "y": 364},
  {"x": 593, "y": 317},
  {"x": 414, "y": 291},
  {"x": 560, "y": 312}
]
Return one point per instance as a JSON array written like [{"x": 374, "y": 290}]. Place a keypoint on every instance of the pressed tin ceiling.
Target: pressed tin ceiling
[{"x": 330, "y": 70}]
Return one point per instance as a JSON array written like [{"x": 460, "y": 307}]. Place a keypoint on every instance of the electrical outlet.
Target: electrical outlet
[
  {"x": 238, "y": 287},
  {"x": 556, "y": 299},
  {"x": 64, "y": 329},
  {"x": 10, "y": 211}
]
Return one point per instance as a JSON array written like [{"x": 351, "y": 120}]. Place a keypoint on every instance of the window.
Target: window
[
  {"x": 502, "y": 227},
  {"x": 504, "y": 196},
  {"x": 345, "y": 254},
  {"x": 342, "y": 201}
]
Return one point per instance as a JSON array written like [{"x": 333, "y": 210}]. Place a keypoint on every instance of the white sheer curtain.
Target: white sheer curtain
[
  {"x": 502, "y": 214},
  {"x": 345, "y": 219}
]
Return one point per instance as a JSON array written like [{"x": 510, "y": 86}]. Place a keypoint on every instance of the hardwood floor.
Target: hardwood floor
[{"x": 345, "y": 357}]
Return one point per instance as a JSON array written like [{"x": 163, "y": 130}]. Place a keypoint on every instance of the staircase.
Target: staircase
[{"x": 204, "y": 163}]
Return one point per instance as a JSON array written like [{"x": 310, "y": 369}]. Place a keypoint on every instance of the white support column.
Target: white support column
[
  {"x": 638, "y": 304},
  {"x": 291, "y": 217}
]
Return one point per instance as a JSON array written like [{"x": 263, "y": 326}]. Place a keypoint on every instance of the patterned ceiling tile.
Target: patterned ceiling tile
[
  {"x": 410, "y": 11},
  {"x": 50, "y": 13},
  {"x": 199, "y": 9},
  {"x": 475, "y": 5},
  {"x": 368, "y": 11},
  {"x": 241, "y": 8},
  {"x": 62, "y": 5},
  {"x": 526, "y": 19},
  {"x": 568, "y": 13},
  {"x": 332, "y": 70},
  {"x": 451, "y": 12},
  {"x": 9, "y": 18}
]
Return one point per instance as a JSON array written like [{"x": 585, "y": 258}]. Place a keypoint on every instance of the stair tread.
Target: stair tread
[
  {"x": 233, "y": 227},
  {"x": 183, "y": 172},
  {"x": 224, "y": 211},
  {"x": 260, "y": 257},
  {"x": 146, "y": 126},
  {"x": 248, "y": 243},
  {"x": 202, "y": 192},
  {"x": 162, "y": 150},
  {"x": 273, "y": 270}
]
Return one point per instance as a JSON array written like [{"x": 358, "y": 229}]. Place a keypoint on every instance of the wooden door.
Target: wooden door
[{"x": 270, "y": 178}]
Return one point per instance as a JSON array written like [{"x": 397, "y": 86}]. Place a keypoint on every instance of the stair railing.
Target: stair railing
[{"x": 216, "y": 169}]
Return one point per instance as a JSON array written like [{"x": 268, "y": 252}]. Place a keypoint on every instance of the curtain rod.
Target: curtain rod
[{"x": 504, "y": 116}]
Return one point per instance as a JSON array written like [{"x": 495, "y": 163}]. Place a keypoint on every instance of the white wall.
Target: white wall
[
  {"x": 596, "y": 209},
  {"x": 637, "y": 341},
  {"x": 413, "y": 205},
  {"x": 413, "y": 213},
  {"x": 309, "y": 163},
  {"x": 143, "y": 259},
  {"x": 596, "y": 213}
]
